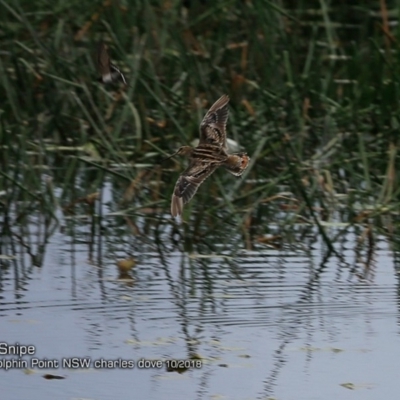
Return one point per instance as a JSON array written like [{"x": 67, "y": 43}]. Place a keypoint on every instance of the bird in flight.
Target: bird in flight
[
  {"x": 207, "y": 156},
  {"x": 108, "y": 71}
]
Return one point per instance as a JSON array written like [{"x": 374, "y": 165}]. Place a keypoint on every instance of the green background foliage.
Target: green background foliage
[{"x": 314, "y": 88}]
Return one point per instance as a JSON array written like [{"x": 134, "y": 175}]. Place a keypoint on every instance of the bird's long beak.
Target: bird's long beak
[{"x": 167, "y": 158}]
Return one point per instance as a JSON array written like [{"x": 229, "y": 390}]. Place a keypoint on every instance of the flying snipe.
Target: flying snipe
[
  {"x": 210, "y": 153},
  {"x": 108, "y": 71}
]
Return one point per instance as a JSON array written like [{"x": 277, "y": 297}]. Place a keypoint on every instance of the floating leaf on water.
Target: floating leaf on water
[
  {"x": 51, "y": 376},
  {"x": 334, "y": 350},
  {"x": 348, "y": 385},
  {"x": 126, "y": 265},
  {"x": 218, "y": 397},
  {"x": 179, "y": 370},
  {"x": 310, "y": 348},
  {"x": 314, "y": 349},
  {"x": 195, "y": 356},
  {"x": 352, "y": 386},
  {"x": 29, "y": 371},
  {"x": 19, "y": 321},
  {"x": 126, "y": 298}
]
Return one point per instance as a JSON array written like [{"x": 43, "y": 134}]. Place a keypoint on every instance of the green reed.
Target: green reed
[{"x": 314, "y": 101}]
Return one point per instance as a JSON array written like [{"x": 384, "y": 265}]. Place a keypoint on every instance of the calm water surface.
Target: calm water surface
[{"x": 267, "y": 323}]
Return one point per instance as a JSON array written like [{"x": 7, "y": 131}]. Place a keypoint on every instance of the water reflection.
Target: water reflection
[{"x": 292, "y": 320}]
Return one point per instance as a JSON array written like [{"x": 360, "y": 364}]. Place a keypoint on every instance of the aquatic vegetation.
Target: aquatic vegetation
[{"x": 315, "y": 94}]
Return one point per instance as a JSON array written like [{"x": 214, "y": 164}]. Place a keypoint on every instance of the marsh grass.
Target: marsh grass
[{"x": 314, "y": 90}]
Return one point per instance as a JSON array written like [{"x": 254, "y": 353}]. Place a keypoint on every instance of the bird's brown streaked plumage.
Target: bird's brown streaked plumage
[
  {"x": 237, "y": 163},
  {"x": 108, "y": 71},
  {"x": 213, "y": 126},
  {"x": 210, "y": 154},
  {"x": 187, "y": 185}
]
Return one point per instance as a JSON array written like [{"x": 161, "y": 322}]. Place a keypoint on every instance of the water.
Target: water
[{"x": 268, "y": 323}]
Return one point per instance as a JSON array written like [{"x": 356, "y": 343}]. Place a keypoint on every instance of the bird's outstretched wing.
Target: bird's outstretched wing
[
  {"x": 213, "y": 126},
  {"x": 187, "y": 185}
]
